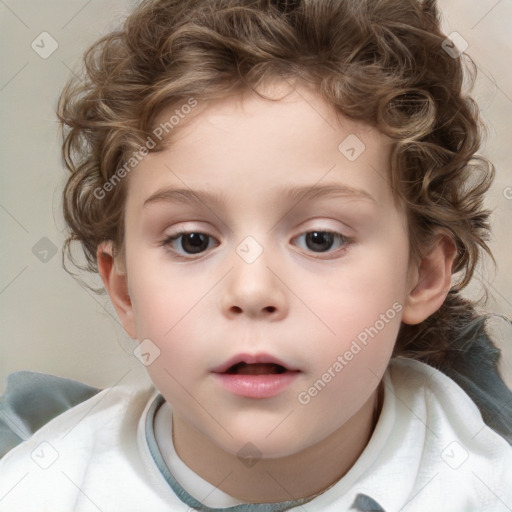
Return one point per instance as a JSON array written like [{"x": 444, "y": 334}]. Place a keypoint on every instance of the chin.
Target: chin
[{"x": 262, "y": 446}]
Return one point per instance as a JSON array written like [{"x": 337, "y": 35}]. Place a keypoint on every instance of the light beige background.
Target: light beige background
[{"x": 52, "y": 324}]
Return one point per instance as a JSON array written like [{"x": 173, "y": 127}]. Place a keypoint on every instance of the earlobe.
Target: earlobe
[
  {"x": 116, "y": 284},
  {"x": 431, "y": 282}
]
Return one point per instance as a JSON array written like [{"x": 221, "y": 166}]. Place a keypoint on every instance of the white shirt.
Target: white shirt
[{"x": 430, "y": 451}]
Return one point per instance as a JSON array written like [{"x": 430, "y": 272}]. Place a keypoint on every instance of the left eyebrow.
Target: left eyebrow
[
  {"x": 305, "y": 192},
  {"x": 289, "y": 194}
]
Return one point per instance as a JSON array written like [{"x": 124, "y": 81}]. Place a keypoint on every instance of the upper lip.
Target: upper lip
[{"x": 250, "y": 359}]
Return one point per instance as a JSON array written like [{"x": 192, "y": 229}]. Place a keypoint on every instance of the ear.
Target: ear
[
  {"x": 430, "y": 281},
  {"x": 116, "y": 284}
]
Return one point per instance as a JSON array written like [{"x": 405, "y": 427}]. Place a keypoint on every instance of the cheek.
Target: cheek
[
  {"x": 167, "y": 318},
  {"x": 351, "y": 362},
  {"x": 361, "y": 311},
  {"x": 162, "y": 300},
  {"x": 355, "y": 298},
  {"x": 172, "y": 320}
]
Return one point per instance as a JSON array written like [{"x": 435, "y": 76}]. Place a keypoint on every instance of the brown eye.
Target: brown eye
[
  {"x": 319, "y": 241},
  {"x": 323, "y": 241},
  {"x": 187, "y": 243}
]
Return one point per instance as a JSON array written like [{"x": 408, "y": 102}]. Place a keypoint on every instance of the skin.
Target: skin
[{"x": 303, "y": 306}]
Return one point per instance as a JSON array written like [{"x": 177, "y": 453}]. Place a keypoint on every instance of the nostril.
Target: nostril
[{"x": 238, "y": 309}]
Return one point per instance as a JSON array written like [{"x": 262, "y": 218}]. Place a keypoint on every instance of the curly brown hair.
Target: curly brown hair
[{"x": 383, "y": 63}]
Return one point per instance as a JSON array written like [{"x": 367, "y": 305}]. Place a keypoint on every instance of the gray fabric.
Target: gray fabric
[
  {"x": 474, "y": 369},
  {"x": 32, "y": 399},
  {"x": 362, "y": 502}
]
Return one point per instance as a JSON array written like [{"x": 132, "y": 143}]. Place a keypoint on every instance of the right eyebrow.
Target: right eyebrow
[{"x": 184, "y": 195}]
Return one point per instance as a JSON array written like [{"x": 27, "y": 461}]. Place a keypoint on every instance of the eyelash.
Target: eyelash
[{"x": 167, "y": 242}]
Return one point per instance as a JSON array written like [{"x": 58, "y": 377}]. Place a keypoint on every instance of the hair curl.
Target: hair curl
[{"x": 379, "y": 62}]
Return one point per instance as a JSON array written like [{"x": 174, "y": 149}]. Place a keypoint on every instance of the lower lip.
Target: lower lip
[{"x": 256, "y": 386}]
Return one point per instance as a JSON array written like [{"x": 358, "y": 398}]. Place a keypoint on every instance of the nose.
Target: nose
[{"x": 255, "y": 290}]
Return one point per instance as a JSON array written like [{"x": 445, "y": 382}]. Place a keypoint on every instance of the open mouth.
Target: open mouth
[
  {"x": 256, "y": 369},
  {"x": 255, "y": 375}
]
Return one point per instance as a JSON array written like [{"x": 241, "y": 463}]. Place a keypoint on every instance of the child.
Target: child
[{"x": 214, "y": 146}]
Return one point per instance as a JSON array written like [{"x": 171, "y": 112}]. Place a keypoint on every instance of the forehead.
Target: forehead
[{"x": 245, "y": 143}]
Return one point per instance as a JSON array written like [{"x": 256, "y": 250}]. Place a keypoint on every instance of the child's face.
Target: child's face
[{"x": 322, "y": 306}]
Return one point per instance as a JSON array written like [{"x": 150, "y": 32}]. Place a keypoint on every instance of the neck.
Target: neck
[{"x": 282, "y": 479}]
